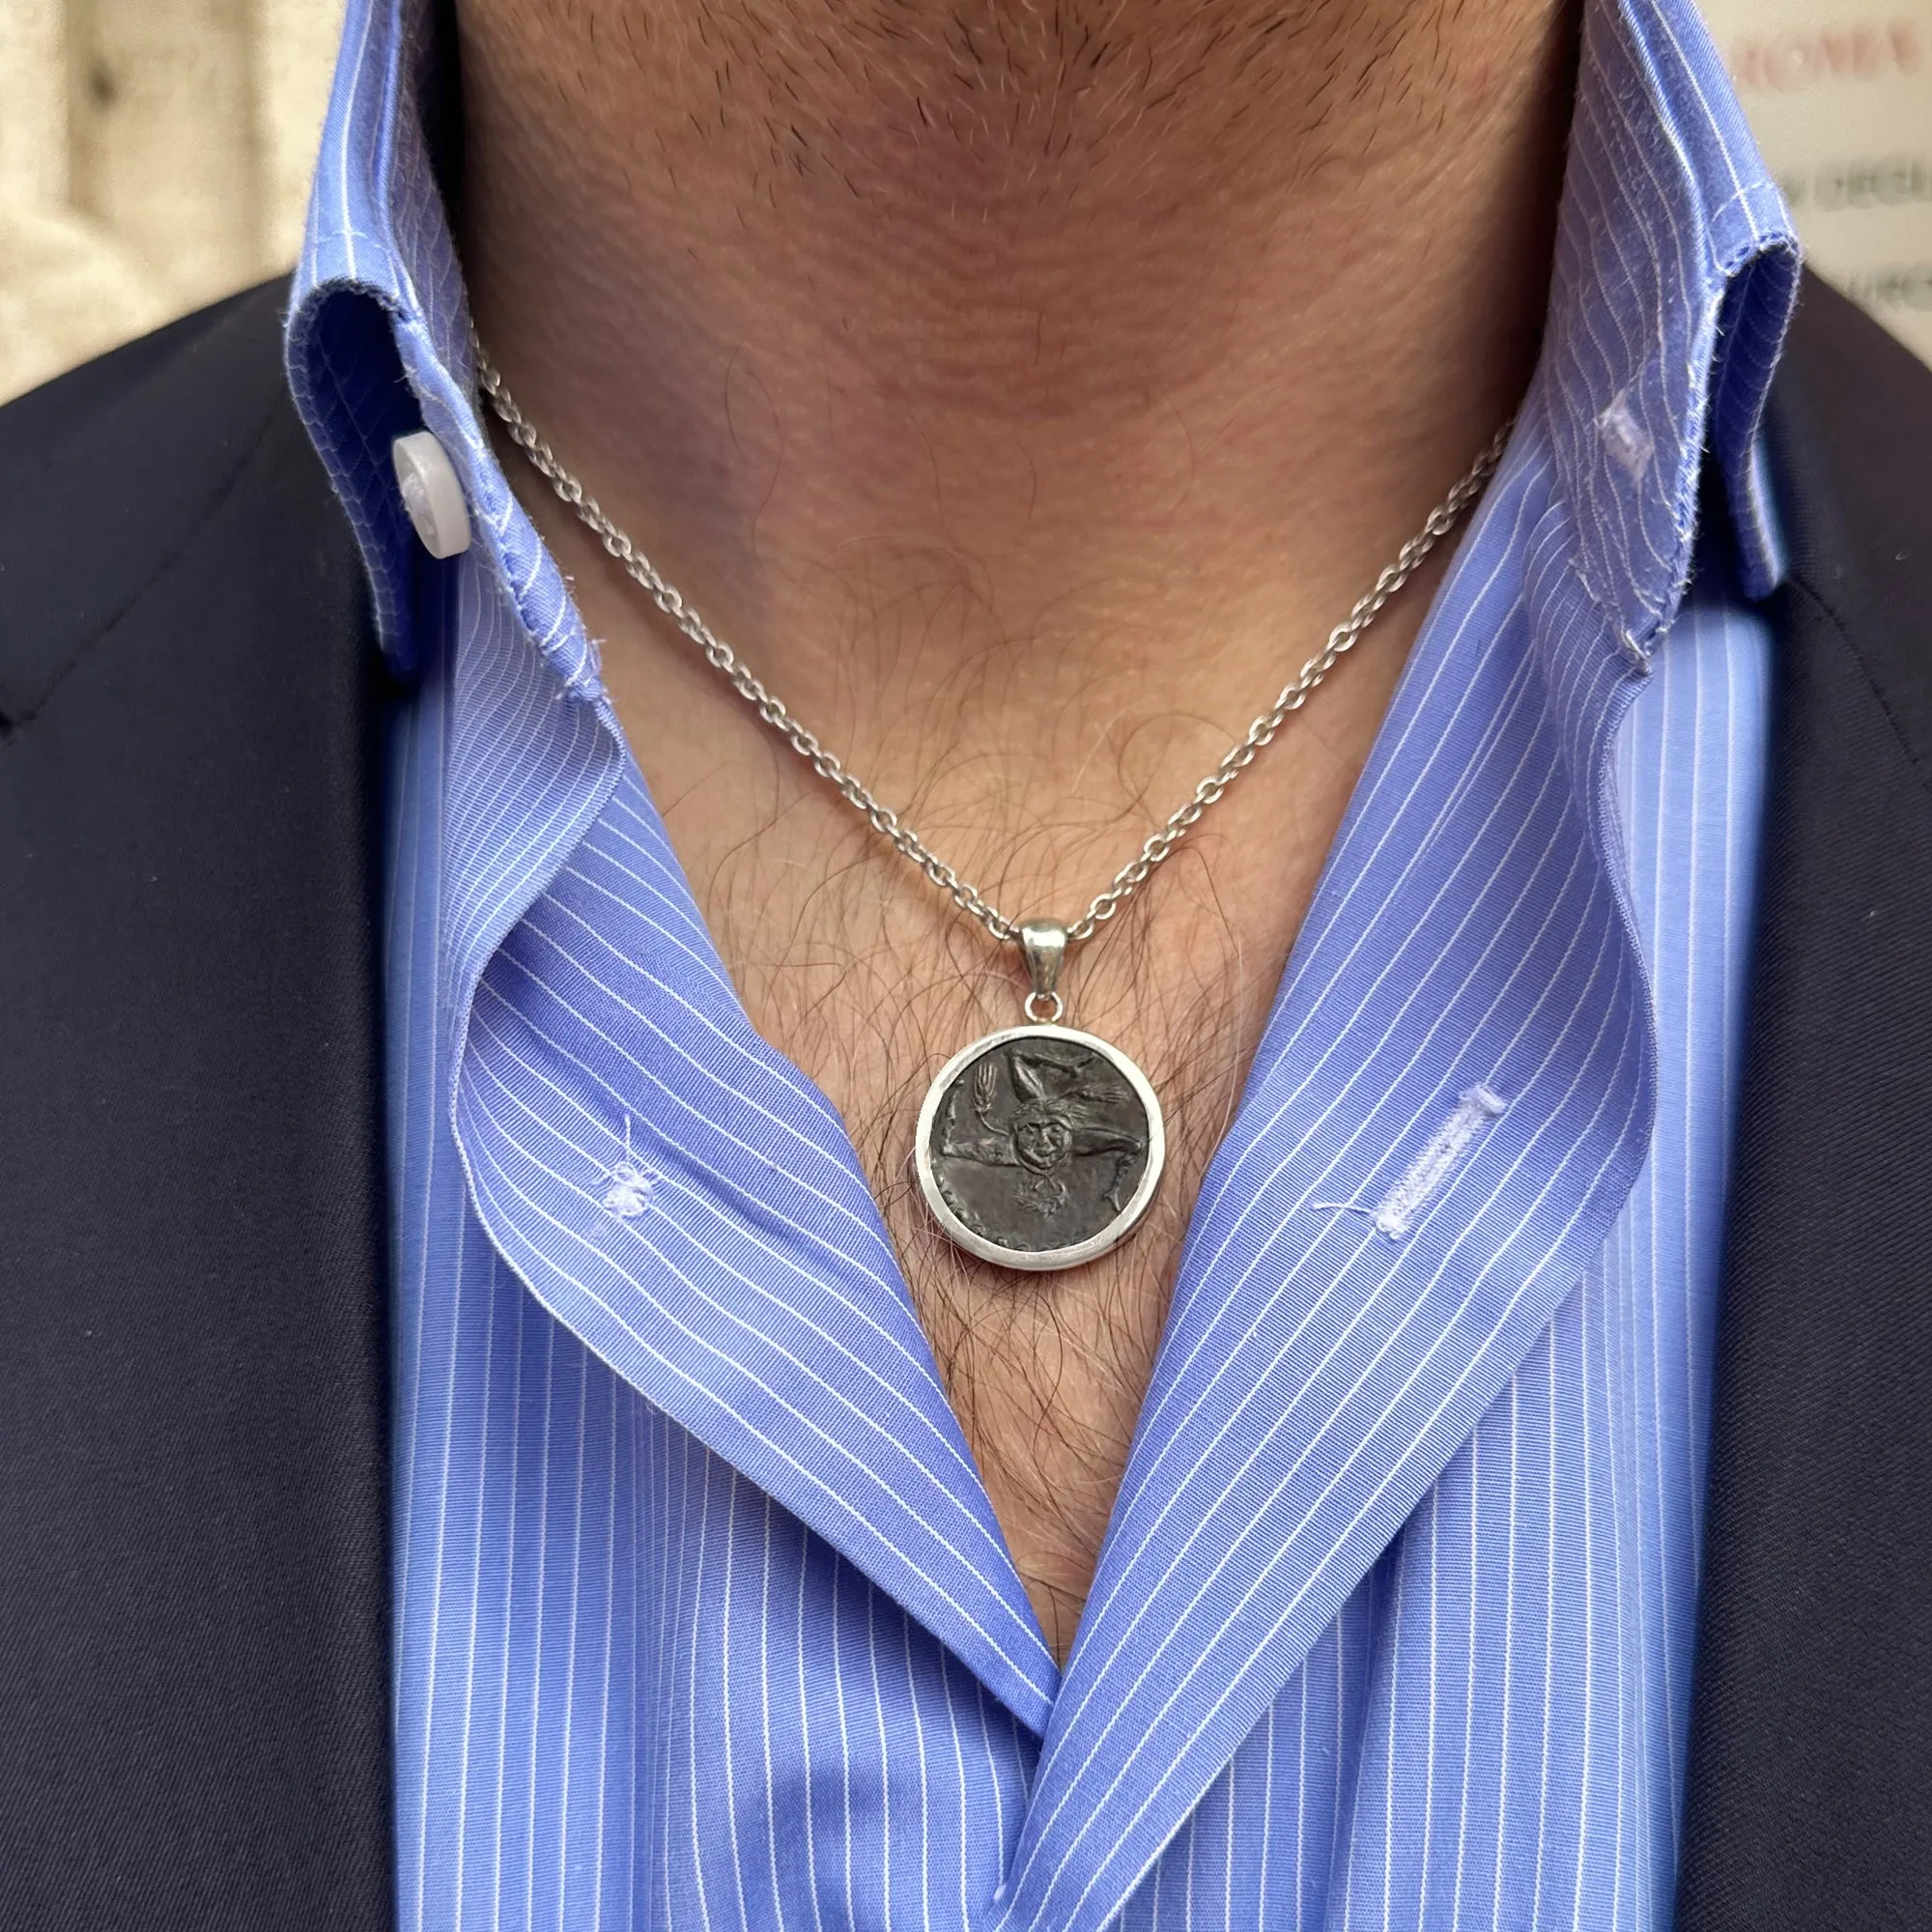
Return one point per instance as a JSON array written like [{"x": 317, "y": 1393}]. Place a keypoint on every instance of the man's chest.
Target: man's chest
[{"x": 1047, "y": 1371}]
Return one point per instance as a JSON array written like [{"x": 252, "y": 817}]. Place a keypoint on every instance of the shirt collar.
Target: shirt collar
[
  {"x": 1676, "y": 271},
  {"x": 378, "y": 336},
  {"x": 379, "y": 341}
]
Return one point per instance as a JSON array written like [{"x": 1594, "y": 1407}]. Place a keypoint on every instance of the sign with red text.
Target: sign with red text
[{"x": 1840, "y": 99}]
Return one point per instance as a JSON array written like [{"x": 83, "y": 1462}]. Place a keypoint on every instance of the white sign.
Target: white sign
[{"x": 1841, "y": 99}]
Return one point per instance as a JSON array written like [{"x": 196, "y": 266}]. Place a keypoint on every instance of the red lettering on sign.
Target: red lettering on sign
[{"x": 1790, "y": 62}]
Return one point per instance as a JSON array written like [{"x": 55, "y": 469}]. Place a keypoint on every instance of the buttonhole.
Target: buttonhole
[
  {"x": 1628, "y": 442},
  {"x": 1475, "y": 1112}
]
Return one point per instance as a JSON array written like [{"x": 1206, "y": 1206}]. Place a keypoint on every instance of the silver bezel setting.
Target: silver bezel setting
[{"x": 1033, "y": 1260}]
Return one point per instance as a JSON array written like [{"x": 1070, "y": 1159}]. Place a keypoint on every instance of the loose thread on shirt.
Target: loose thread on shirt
[{"x": 630, "y": 1184}]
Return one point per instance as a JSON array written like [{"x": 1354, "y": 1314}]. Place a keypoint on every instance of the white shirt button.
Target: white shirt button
[{"x": 431, "y": 494}]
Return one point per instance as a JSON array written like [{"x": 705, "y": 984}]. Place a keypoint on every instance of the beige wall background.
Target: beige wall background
[{"x": 155, "y": 154}]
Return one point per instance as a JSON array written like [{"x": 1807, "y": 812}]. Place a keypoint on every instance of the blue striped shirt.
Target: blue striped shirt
[{"x": 702, "y": 1616}]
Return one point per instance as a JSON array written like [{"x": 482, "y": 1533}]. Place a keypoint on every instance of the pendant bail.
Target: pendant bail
[{"x": 1043, "y": 941}]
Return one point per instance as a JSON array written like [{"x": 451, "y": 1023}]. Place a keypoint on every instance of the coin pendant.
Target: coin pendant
[{"x": 1039, "y": 1147}]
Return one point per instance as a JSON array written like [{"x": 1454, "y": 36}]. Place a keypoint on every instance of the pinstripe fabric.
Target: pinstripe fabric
[{"x": 702, "y": 1617}]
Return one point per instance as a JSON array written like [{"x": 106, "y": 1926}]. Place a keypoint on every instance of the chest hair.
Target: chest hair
[{"x": 1047, "y": 1373}]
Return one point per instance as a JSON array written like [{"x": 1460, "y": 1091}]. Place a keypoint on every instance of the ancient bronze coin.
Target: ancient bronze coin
[{"x": 1039, "y": 1147}]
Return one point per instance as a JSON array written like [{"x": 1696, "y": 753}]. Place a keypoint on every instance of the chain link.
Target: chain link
[{"x": 882, "y": 819}]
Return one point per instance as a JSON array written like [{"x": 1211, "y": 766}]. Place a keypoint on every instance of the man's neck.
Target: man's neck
[
  {"x": 1025, "y": 393},
  {"x": 1013, "y": 357}
]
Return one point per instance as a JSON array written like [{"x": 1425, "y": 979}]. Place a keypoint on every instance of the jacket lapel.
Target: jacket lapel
[
  {"x": 1811, "y": 1738},
  {"x": 192, "y": 1596}
]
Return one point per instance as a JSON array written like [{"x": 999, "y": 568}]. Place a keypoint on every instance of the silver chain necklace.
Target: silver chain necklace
[{"x": 1038, "y": 1147}]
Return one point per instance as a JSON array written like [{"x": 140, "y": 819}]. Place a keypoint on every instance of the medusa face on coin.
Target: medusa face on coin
[{"x": 1039, "y": 1147}]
